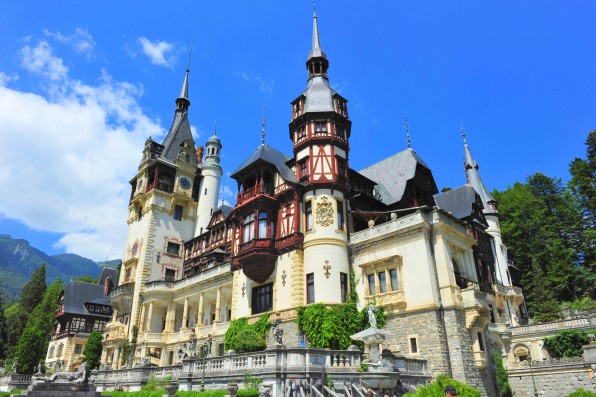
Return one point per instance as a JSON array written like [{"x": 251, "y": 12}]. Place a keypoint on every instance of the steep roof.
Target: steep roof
[
  {"x": 458, "y": 201},
  {"x": 474, "y": 179},
  {"x": 393, "y": 173},
  {"x": 274, "y": 157},
  {"x": 225, "y": 209},
  {"x": 76, "y": 293},
  {"x": 179, "y": 132},
  {"x": 319, "y": 95},
  {"x": 108, "y": 272}
]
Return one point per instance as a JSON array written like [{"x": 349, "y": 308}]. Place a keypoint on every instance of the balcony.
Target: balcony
[
  {"x": 480, "y": 359},
  {"x": 259, "y": 189},
  {"x": 257, "y": 258},
  {"x": 121, "y": 297},
  {"x": 389, "y": 299},
  {"x": 293, "y": 240}
]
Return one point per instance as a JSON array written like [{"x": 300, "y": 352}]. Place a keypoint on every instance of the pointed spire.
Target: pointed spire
[
  {"x": 183, "y": 102},
  {"x": 263, "y": 131},
  {"x": 316, "y": 42},
  {"x": 475, "y": 180},
  {"x": 407, "y": 131}
]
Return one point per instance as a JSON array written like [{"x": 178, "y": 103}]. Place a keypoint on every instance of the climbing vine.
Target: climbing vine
[
  {"x": 331, "y": 325},
  {"x": 243, "y": 337}
]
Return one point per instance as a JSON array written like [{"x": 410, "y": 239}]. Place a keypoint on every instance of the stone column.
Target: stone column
[
  {"x": 217, "y": 305},
  {"x": 116, "y": 359},
  {"x": 200, "y": 311},
  {"x": 142, "y": 322},
  {"x": 150, "y": 318},
  {"x": 185, "y": 315},
  {"x": 104, "y": 356},
  {"x": 172, "y": 316}
]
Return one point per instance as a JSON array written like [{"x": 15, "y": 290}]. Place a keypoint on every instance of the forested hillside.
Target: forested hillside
[
  {"x": 18, "y": 261},
  {"x": 550, "y": 230}
]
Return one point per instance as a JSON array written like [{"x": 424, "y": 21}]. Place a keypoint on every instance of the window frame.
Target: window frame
[
  {"x": 308, "y": 220},
  {"x": 265, "y": 294},
  {"x": 178, "y": 212},
  {"x": 310, "y": 288}
]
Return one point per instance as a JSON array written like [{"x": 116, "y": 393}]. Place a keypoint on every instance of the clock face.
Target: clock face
[{"x": 185, "y": 183}]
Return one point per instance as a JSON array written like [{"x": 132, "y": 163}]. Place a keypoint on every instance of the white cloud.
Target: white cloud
[
  {"x": 264, "y": 86},
  {"x": 80, "y": 40},
  {"x": 4, "y": 78},
  {"x": 41, "y": 60},
  {"x": 159, "y": 52},
  {"x": 68, "y": 155}
]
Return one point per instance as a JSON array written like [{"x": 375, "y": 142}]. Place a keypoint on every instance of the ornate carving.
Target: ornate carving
[
  {"x": 324, "y": 212},
  {"x": 283, "y": 278},
  {"x": 243, "y": 289},
  {"x": 327, "y": 267}
]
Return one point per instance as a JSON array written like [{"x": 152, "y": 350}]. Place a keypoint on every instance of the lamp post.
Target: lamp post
[
  {"x": 532, "y": 374},
  {"x": 206, "y": 349}
]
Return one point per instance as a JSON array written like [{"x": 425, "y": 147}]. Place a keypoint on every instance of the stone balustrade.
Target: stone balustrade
[
  {"x": 553, "y": 326},
  {"x": 383, "y": 229}
]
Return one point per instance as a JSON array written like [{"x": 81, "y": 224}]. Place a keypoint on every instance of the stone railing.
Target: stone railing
[
  {"x": 387, "y": 228},
  {"x": 553, "y": 326},
  {"x": 553, "y": 362},
  {"x": 132, "y": 379},
  {"x": 9, "y": 382}
]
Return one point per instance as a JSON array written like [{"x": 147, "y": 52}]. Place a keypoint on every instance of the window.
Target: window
[
  {"x": 205, "y": 191},
  {"x": 413, "y": 345},
  {"x": 262, "y": 224},
  {"x": 140, "y": 212},
  {"x": 371, "y": 284},
  {"x": 78, "y": 348},
  {"x": 310, "y": 288},
  {"x": 249, "y": 228},
  {"x": 308, "y": 213},
  {"x": 340, "y": 215},
  {"x": 170, "y": 275},
  {"x": 173, "y": 248},
  {"x": 480, "y": 341},
  {"x": 341, "y": 167},
  {"x": 340, "y": 132},
  {"x": 303, "y": 169},
  {"x": 178, "y": 212},
  {"x": 343, "y": 285},
  {"x": 301, "y": 134},
  {"x": 382, "y": 282},
  {"x": 393, "y": 277},
  {"x": 127, "y": 274},
  {"x": 262, "y": 298},
  {"x": 321, "y": 128}
]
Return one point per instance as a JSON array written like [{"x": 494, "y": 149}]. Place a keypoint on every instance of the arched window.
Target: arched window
[
  {"x": 51, "y": 355},
  {"x": 521, "y": 352},
  {"x": 262, "y": 224}
]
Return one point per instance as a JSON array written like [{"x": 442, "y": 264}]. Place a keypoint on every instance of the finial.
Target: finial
[
  {"x": 215, "y": 128},
  {"x": 190, "y": 53},
  {"x": 463, "y": 132},
  {"x": 314, "y": 6},
  {"x": 407, "y": 131},
  {"x": 264, "y": 121}
]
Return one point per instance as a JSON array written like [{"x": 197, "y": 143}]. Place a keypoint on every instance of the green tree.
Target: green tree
[
  {"x": 502, "y": 377},
  {"x": 42, "y": 317},
  {"x": 30, "y": 350},
  {"x": 32, "y": 292},
  {"x": 16, "y": 318},
  {"x": 543, "y": 305},
  {"x": 86, "y": 279},
  {"x": 93, "y": 349},
  {"x": 3, "y": 331},
  {"x": 567, "y": 343}
]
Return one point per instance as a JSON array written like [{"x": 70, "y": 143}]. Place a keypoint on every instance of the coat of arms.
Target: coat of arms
[{"x": 324, "y": 212}]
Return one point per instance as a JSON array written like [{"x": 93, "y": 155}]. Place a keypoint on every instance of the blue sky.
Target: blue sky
[{"x": 83, "y": 84}]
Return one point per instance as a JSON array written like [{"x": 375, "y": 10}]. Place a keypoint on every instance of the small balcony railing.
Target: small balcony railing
[{"x": 254, "y": 191}]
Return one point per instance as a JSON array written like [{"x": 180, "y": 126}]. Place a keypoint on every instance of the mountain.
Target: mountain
[{"x": 18, "y": 261}]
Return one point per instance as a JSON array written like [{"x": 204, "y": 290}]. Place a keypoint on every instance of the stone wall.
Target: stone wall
[
  {"x": 555, "y": 381},
  {"x": 445, "y": 342}
]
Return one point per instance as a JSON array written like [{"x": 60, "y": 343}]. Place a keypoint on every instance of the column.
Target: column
[
  {"x": 172, "y": 316},
  {"x": 142, "y": 322},
  {"x": 150, "y": 318},
  {"x": 200, "y": 312},
  {"x": 185, "y": 315},
  {"x": 104, "y": 356},
  {"x": 116, "y": 358},
  {"x": 470, "y": 255},
  {"x": 217, "y": 305}
]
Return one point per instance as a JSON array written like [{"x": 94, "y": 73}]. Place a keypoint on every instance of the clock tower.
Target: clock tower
[{"x": 320, "y": 131}]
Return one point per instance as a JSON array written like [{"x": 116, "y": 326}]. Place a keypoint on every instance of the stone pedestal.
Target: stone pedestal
[{"x": 46, "y": 389}]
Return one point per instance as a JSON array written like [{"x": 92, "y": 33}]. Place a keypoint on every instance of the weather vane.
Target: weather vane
[
  {"x": 407, "y": 131},
  {"x": 264, "y": 121}
]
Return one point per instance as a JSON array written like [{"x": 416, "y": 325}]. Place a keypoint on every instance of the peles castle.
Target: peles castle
[{"x": 301, "y": 224}]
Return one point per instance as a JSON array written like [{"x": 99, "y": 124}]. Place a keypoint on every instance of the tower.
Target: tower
[
  {"x": 491, "y": 213},
  {"x": 320, "y": 130},
  {"x": 209, "y": 187}
]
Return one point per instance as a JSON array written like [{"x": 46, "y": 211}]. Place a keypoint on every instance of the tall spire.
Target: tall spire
[
  {"x": 475, "y": 180},
  {"x": 407, "y": 131},
  {"x": 183, "y": 102},
  {"x": 316, "y": 42},
  {"x": 317, "y": 63},
  {"x": 263, "y": 131}
]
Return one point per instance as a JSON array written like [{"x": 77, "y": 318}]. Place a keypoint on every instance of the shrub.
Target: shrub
[
  {"x": 437, "y": 388},
  {"x": 243, "y": 337},
  {"x": 502, "y": 378},
  {"x": 582, "y": 393},
  {"x": 160, "y": 393},
  {"x": 567, "y": 343},
  {"x": 93, "y": 349},
  {"x": 154, "y": 384}
]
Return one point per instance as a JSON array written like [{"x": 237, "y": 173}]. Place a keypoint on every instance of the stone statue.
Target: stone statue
[
  {"x": 79, "y": 377},
  {"x": 39, "y": 368},
  {"x": 15, "y": 365},
  {"x": 278, "y": 332},
  {"x": 371, "y": 315}
]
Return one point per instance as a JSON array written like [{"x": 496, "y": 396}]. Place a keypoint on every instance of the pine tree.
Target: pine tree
[
  {"x": 32, "y": 292},
  {"x": 43, "y": 315},
  {"x": 93, "y": 349},
  {"x": 3, "y": 331},
  {"x": 16, "y": 318},
  {"x": 30, "y": 350},
  {"x": 544, "y": 305}
]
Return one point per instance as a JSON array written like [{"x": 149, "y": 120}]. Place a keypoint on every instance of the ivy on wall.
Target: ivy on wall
[
  {"x": 243, "y": 337},
  {"x": 567, "y": 343}
]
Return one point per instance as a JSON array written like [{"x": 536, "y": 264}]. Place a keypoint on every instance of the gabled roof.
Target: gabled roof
[
  {"x": 76, "y": 293},
  {"x": 393, "y": 173},
  {"x": 458, "y": 201},
  {"x": 108, "y": 272},
  {"x": 225, "y": 209},
  {"x": 179, "y": 132},
  {"x": 268, "y": 154}
]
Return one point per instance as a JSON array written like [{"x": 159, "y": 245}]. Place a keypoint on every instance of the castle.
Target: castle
[{"x": 300, "y": 225}]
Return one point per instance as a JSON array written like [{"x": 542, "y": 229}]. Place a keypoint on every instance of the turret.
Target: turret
[{"x": 209, "y": 190}]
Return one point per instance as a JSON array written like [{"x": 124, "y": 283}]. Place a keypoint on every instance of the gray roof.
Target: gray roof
[
  {"x": 76, "y": 293},
  {"x": 179, "y": 132},
  {"x": 474, "y": 179},
  {"x": 108, "y": 272},
  {"x": 393, "y": 173},
  {"x": 319, "y": 95},
  {"x": 457, "y": 201},
  {"x": 271, "y": 156},
  {"x": 225, "y": 209}
]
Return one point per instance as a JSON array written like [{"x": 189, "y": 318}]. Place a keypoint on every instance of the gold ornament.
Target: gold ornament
[{"x": 324, "y": 212}]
